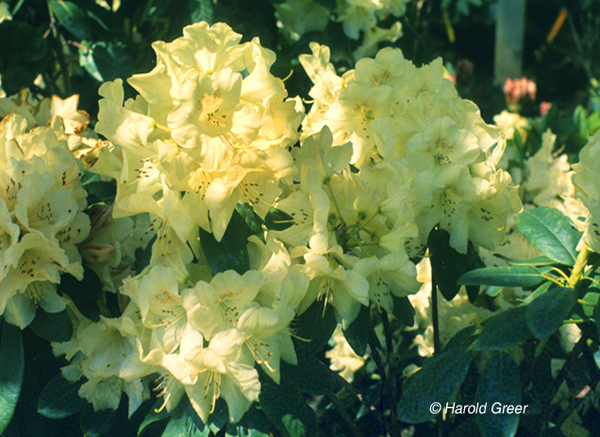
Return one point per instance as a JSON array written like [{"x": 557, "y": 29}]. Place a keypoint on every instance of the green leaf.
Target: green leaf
[
  {"x": 106, "y": 61},
  {"x": 85, "y": 292},
  {"x": 277, "y": 220},
  {"x": 462, "y": 338},
  {"x": 11, "y": 372},
  {"x": 403, "y": 310},
  {"x": 358, "y": 331},
  {"x": 184, "y": 426},
  {"x": 252, "y": 219},
  {"x": 60, "y": 398},
  {"x": 286, "y": 409},
  {"x": 72, "y": 18},
  {"x": 201, "y": 10},
  {"x": 231, "y": 253},
  {"x": 447, "y": 265},
  {"x": 499, "y": 385},
  {"x": 52, "y": 326},
  {"x": 512, "y": 276},
  {"x": 101, "y": 192},
  {"x": 253, "y": 424},
  {"x": 537, "y": 261},
  {"x": 315, "y": 327},
  {"x": 310, "y": 375},
  {"x": 550, "y": 232},
  {"x": 504, "y": 330},
  {"x": 156, "y": 414},
  {"x": 143, "y": 256},
  {"x": 96, "y": 423},
  {"x": 597, "y": 319},
  {"x": 438, "y": 381},
  {"x": 547, "y": 313}
]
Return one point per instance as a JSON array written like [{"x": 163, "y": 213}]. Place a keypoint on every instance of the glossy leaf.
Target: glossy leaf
[
  {"x": 85, "y": 292},
  {"x": 536, "y": 261},
  {"x": 438, "y": 381},
  {"x": 357, "y": 333},
  {"x": 231, "y": 253},
  {"x": 60, "y": 398},
  {"x": 52, "y": 326},
  {"x": 314, "y": 327},
  {"x": 547, "y": 313},
  {"x": 72, "y": 18},
  {"x": 500, "y": 384},
  {"x": 11, "y": 372},
  {"x": 448, "y": 265},
  {"x": 550, "y": 232},
  {"x": 286, "y": 409},
  {"x": 504, "y": 330},
  {"x": 403, "y": 310},
  {"x": 277, "y": 220},
  {"x": 513, "y": 276},
  {"x": 253, "y": 424},
  {"x": 156, "y": 414},
  {"x": 97, "y": 423}
]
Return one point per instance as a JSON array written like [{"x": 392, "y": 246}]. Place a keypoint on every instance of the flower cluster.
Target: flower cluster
[
  {"x": 41, "y": 203},
  {"x": 426, "y": 153},
  {"x": 387, "y": 152}
]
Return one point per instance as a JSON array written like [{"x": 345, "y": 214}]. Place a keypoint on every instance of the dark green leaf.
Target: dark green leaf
[
  {"x": 550, "y": 232},
  {"x": 286, "y": 409},
  {"x": 547, "y": 313},
  {"x": 438, "y": 381},
  {"x": 597, "y": 319},
  {"x": 231, "y": 253},
  {"x": 20, "y": 63},
  {"x": 85, "y": 292},
  {"x": 97, "y": 423},
  {"x": 403, "y": 310},
  {"x": 11, "y": 372},
  {"x": 253, "y": 424},
  {"x": 101, "y": 192},
  {"x": 60, "y": 398},
  {"x": 91, "y": 311},
  {"x": 143, "y": 256},
  {"x": 72, "y": 18},
  {"x": 106, "y": 61},
  {"x": 156, "y": 414},
  {"x": 499, "y": 385},
  {"x": 462, "y": 338},
  {"x": 504, "y": 330},
  {"x": 184, "y": 426},
  {"x": 315, "y": 327},
  {"x": 447, "y": 265},
  {"x": 357, "y": 332},
  {"x": 310, "y": 375},
  {"x": 537, "y": 261},
  {"x": 52, "y": 326},
  {"x": 277, "y": 220},
  {"x": 202, "y": 10},
  {"x": 251, "y": 218},
  {"x": 513, "y": 276}
]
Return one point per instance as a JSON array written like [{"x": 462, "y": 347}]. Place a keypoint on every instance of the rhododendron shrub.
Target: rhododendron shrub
[{"x": 199, "y": 256}]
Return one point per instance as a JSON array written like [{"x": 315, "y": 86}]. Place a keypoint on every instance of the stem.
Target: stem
[
  {"x": 327, "y": 182},
  {"x": 344, "y": 415},
  {"x": 585, "y": 302},
  {"x": 434, "y": 316}
]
